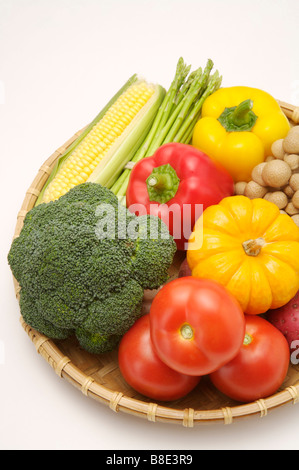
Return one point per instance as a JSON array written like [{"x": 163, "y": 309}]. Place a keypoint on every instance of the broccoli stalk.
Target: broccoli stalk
[{"x": 83, "y": 263}]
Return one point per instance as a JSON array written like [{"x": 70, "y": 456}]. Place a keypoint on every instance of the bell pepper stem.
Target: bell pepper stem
[
  {"x": 240, "y": 115},
  {"x": 238, "y": 118},
  {"x": 162, "y": 184},
  {"x": 160, "y": 181}
]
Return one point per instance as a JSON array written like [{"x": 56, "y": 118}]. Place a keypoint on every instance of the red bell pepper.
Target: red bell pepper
[{"x": 176, "y": 184}]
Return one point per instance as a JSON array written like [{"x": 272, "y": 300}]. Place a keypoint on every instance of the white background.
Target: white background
[{"x": 60, "y": 62}]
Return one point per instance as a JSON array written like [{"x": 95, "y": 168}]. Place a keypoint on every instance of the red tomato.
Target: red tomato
[
  {"x": 145, "y": 372},
  {"x": 261, "y": 365},
  {"x": 196, "y": 325}
]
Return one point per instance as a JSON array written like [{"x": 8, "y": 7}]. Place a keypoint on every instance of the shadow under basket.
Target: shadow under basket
[{"x": 99, "y": 377}]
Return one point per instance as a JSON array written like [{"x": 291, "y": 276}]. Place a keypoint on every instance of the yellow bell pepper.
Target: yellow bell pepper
[{"x": 237, "y": 128}]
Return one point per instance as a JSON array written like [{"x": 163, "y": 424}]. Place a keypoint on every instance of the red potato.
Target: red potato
[{"x": 286, "y": 319}]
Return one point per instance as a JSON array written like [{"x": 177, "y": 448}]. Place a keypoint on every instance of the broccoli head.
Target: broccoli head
[{"x": 83, "y": 263}]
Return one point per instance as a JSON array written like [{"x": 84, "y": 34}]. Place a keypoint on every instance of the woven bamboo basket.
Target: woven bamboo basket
[{"x": 98, "y": 376}]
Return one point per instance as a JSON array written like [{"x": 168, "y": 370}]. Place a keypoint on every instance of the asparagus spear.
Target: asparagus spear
[
  {"x": 197, "y": 86},
  {"x": 189, "y": 123}
]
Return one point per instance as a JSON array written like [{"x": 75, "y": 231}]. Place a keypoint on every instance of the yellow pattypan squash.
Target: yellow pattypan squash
[{"x": 251, "y": 248}]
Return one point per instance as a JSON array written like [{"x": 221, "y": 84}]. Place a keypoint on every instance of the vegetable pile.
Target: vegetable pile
[{"x": 207, "y": 171}]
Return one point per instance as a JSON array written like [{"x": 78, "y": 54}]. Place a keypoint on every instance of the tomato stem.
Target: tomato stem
[
  {"x": 187, "y": 331},
  {"x": 247, "y": 339}
]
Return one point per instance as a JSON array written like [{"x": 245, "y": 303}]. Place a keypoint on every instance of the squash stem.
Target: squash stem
[{"x": 253, "y": 247}]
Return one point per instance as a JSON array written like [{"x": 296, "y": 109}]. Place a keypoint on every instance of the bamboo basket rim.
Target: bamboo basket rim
[{"x": 114, "y": 399}]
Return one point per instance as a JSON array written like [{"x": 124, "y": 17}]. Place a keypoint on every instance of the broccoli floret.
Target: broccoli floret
[
  {"x": 83, "y": 263},
  {"x": 147, "y": 255},
  {"x": 96, "y": 343},
  {"x": 34, "y": 317}
]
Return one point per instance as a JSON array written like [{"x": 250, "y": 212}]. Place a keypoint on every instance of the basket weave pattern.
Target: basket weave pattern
[{"x": 98, "y": 376}]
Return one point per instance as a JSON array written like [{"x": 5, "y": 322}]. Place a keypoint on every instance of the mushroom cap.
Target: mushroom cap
[
  {"x": 276, "y": 173},
  {"x": 291, "y": 141},
  {"x": 277, "y": 197}
]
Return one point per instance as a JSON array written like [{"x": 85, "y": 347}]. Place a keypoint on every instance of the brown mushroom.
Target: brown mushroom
[
  {"x": 291, "y": 209},
  {"x": 240, "y": 187},
  {"x": 296, "y": 219},
  {"x": 254, "y": 190},
  {"x": 288, "y": 191},
  {"x": 277, "y": 149},
  {"x": 291, "y": 141},
  {"x": 295, "y": 199},
  {"x": 292, "y": 160},
  {"x": 256, "y": 174},
  {"x": 276, "y": 173},
  {"x": 279, "y": 198},
  {"x": 294, "y": 181}
]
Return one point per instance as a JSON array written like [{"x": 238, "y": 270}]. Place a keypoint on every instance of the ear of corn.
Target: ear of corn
[{"x": 114, "y": 134}]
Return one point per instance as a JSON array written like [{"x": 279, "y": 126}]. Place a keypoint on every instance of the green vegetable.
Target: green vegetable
[
  {"x": 83, "y": 262},
  {"x": 177, "y": 115}
]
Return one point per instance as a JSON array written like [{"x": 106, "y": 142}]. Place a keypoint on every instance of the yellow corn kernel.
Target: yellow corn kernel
[{"x": 79, "y": 165}]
